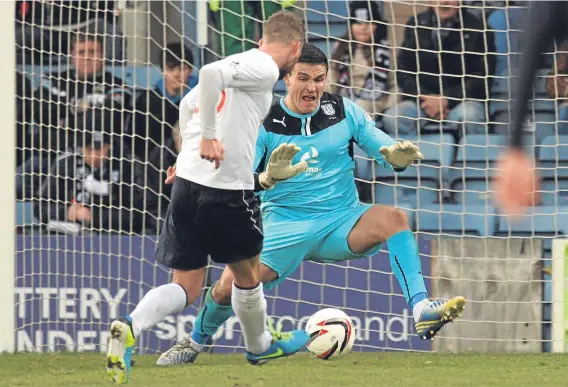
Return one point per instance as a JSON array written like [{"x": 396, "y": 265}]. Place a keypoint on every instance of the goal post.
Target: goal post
[
  {"x": 72, "y": 277},
  {"x": 7, "y": 198}
]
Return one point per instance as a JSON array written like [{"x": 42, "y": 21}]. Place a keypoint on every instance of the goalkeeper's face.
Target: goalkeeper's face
[{"x": 306, "y": 84}]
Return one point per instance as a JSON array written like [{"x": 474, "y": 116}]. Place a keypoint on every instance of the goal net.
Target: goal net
[{"x": 97, "y": 129}]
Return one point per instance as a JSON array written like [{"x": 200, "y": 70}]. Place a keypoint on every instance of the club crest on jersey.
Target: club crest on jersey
[{"x": 328, "y": 109}]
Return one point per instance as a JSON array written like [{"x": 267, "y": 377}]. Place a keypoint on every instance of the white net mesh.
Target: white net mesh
[{"x": 87, "y": 234}]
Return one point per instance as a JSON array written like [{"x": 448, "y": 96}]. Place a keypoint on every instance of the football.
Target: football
[{"x": 331, "y": 334}]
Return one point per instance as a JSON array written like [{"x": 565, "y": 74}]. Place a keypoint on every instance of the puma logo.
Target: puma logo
[{"x": 279, "y": 122}]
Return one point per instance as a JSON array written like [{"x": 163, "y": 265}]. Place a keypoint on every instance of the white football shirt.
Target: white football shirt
[{"x": 247, "y": 80}]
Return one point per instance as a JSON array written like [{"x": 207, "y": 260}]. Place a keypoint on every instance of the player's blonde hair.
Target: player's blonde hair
[{"x": 284, "y": 27}]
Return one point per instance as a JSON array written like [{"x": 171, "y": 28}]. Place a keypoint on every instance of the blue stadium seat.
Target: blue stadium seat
[
  {"x": 332, "y": 11},
  {"x": 553, "y": 157},
  {"x": 280, "y": 88},
  {"x": 554, "y": 192},
  {"x": 477, "y": 155},
  {"x": 507, "y": 40},
  {"x": 326, "y": 45},
  {"x": 326, "y": 30},
  {"x": 25, "y": 214},
  {"x": 471, "y": 192},
  {"x": 500, "y": 88},
  {"x": 541, "y": 221},
  {"x": 452, "y": 219},
  {"x": 501, "y": 104},
  {"x": 498, "y": 22},
  {"x": 139, "y": 77},
  {"x": 417, "y": 192}
]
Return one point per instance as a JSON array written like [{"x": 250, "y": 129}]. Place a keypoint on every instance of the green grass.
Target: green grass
[{"x": 356, "y": 369}]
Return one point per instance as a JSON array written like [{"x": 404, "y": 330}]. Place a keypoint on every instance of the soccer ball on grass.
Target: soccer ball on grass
[{"x": 331, "y": 334}]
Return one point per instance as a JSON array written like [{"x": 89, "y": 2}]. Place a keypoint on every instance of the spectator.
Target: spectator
[
  {"x": 63, "y": 94},
  {"x": 97, "y": 184},
  {"x": 557, "y": 86},
  {"x": 442, "y": 70},
  {"x": 156, "y": 110},
  {"x": 44, "y": 28},
  {"x": 361, "y": 60},
  {"x": 236, "y": 22},
  {"x": 60, "y": 97}
]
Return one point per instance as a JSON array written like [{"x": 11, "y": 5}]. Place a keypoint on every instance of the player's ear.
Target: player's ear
[
  {"x": 297, "y": 48},
  {"x": 260, "y": 43}
]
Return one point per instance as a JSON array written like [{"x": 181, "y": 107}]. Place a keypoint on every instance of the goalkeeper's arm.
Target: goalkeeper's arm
[
  {"x": 546, "y": 21},
  {"x": 397, "y": 155}
]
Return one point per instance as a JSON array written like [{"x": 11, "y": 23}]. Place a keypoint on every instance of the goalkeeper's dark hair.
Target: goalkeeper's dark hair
[{"x": 311, "y": 54}]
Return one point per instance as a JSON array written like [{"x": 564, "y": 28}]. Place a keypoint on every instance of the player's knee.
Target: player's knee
[
  {"x": 191, "y": 290},
  {"x": 398, "y": 221},
  {"x": 223, "y": 289},
  {"x": 190, "y": 281}
]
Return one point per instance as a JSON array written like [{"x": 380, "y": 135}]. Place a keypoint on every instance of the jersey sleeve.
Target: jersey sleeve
[
  {"x": 188, "y": 104},
  {"x": 366, "y": 134}
]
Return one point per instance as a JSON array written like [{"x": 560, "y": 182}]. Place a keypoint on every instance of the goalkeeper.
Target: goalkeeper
[{"x": 317, "y": 215}]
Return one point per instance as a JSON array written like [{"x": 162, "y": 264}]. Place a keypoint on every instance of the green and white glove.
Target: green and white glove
[
  {"x": 279, "y": 167},
  {"x": 401, "y": 154}
]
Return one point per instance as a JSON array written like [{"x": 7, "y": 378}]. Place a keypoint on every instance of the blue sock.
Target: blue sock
[
  {"x": 406, "y": 266},
  {"x": 210, "y": 318}
]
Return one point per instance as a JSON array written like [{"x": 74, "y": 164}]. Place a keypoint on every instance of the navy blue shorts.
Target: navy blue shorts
[{"x": 203, "y": 221}]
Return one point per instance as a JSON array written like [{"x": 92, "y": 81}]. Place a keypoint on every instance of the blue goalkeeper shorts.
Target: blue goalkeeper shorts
[{"x": 324, "y": 239}]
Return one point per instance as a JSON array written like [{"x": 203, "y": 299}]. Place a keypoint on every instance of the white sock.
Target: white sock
[
  {"x": 249, "y": 306},
  {"x": 156, "y": 305},
  {"x": 418, "y": 308}
]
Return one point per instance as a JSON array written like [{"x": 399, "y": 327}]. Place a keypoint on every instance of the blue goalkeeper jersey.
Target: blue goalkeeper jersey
[{"x": 326, "y": 140}]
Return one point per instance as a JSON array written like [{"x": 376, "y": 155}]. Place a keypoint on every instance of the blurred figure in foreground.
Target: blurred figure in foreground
[{"x": 517, "y": 182}]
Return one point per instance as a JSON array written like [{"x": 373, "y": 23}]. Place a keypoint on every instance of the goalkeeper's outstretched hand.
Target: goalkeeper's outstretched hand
[
  {"x": 401, "y": 154},
  {"x": 280, "y": 166}
]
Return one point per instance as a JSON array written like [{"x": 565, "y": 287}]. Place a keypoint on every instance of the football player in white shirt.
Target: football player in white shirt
[{"x": 213, "y": 210}]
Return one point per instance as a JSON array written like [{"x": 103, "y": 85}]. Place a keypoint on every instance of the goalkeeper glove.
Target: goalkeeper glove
[
  {"x": 280, "y": 168},
  {"x": 401, "y": 154}
]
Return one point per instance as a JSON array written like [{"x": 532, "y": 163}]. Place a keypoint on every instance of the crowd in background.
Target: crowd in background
[{"x": 92, "y": 151}]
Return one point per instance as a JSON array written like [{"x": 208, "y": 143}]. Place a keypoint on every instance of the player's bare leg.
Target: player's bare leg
[
  {"x": 382, "y": 223},
  {"x": 157, "y": 304},
  {"x": 215, "y": 311},
  {"x": 249, "y": 305}
]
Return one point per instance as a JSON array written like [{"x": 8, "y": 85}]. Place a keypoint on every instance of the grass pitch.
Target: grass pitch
[{"x": 356, "y": 369}]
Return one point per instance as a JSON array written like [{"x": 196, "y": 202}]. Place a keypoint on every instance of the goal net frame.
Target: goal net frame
[{"x": 65, "y": 289}]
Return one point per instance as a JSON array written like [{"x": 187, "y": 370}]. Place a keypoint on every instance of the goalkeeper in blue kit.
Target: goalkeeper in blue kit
[{"x": 317, "y": 214}]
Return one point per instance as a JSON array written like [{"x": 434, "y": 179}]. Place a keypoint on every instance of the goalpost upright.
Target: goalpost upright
[{"x": 7, "y": 176}]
